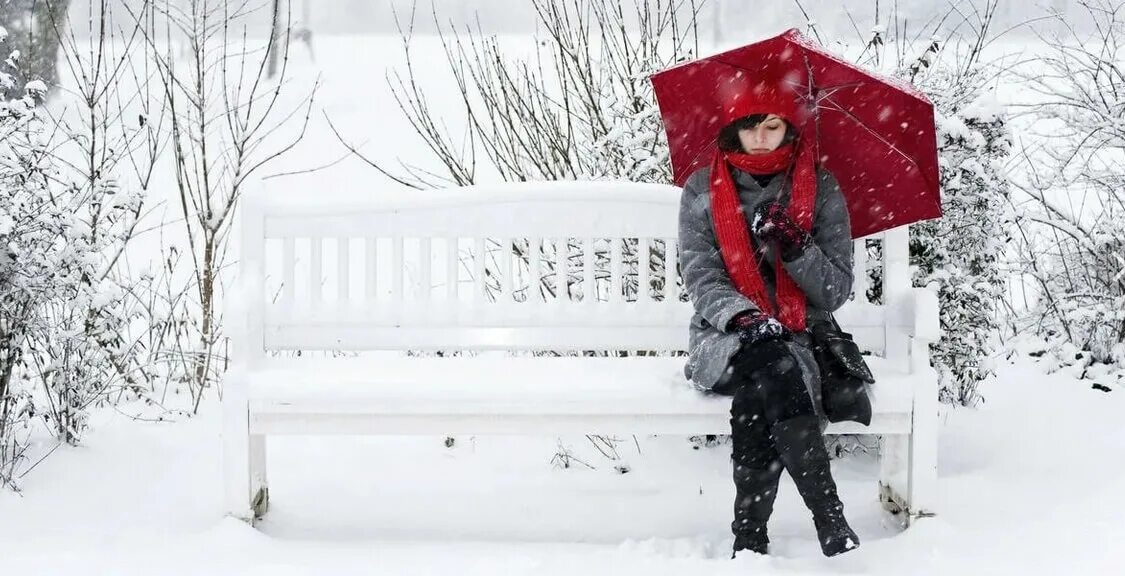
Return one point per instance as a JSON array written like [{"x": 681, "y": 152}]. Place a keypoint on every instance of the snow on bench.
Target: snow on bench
[{"x": 357, "y": 280}]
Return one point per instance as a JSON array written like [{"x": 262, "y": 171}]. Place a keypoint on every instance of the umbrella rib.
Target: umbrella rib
[
  {"x": 830, "y": 89},
  {"x": 859, "y": 122},
  {"x": 703, "y": 149}
]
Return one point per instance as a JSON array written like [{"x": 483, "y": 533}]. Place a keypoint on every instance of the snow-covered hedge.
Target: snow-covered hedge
[
  {"x": 64, "y": 317},
  {"x": 960, "y": 254}
]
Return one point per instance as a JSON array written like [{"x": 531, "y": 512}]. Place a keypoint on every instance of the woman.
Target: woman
[{"x": 766, "y": 251}]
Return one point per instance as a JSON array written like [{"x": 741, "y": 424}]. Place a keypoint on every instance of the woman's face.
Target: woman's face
[{"x": 763, "y": 138}]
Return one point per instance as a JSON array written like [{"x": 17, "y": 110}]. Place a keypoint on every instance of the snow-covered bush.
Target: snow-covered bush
[
  {"x": 23, "y": 230},
  {"x": 1074, "y": 229},
  {"x": 82, "y": 347},
  {"x": 580, "y": 107},
  {"x": 960, "y": 254},
  {"x": 66, "y": 314},
  {"x": 65, "y": 319}
]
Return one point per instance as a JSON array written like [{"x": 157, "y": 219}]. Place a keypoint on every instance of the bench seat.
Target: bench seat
[{"x": 395, "y": 394}]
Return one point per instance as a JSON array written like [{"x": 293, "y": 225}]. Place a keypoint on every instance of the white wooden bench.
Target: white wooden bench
[{"x": 384, "y": 278}]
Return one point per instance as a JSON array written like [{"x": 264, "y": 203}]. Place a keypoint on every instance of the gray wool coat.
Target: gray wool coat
[{"x": 823, "y": 271}]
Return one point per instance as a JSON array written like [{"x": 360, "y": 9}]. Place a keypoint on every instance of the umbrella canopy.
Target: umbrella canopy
[{"x": 875, "y": 135}]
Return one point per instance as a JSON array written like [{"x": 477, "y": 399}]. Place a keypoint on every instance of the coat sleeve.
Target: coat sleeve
[
  {"x": 824, "y": 269},
  {"x": 701, "y": 265}
]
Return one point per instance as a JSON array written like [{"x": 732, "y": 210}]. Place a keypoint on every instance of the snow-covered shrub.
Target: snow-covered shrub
[
  {"x": 65, "y": 322},
  {"x": 26, "y": 242},
  {"x": 580, "y": 107},
  {"x": 82, "y": 346},
  {"x": 30, "y": 34},
  {"x": 22, "y": 189},
  {"x": 64, "y": 313},
  {"x": 960, "y": 254},
  {"x": 1074, "y": 228}
]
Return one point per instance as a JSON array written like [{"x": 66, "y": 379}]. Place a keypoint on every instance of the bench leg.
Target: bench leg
[
  {"x": 236, "y": 459},
  {"x": 259, "y": 486},
  {"x": 922, "y": 484},
  {"x": 893, "y": 472},
  {"x": 245, "y": 494}
]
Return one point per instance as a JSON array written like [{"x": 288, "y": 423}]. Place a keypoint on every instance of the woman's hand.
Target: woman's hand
[
  {"x": 772, "y": 224},
  {"x": 755, "y": 326}
]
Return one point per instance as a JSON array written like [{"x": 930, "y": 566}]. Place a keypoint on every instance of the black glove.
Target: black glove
[
  {"x": 773, "y": 224},
  {"x": 761, "y": 346},
  {"x": 755, "y": 326}
]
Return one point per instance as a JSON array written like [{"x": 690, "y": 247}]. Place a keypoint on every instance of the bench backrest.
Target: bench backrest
[{"x": 479, "y": 268}]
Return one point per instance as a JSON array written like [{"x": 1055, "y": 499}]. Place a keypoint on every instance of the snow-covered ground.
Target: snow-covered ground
[{"x": 1029, "y": 483}]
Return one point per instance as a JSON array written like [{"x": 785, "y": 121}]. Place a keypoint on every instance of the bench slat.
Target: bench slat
[
  {"x": 589, "y": 290},
  {"x": 542, "y": 390},
  {"x": 616, "y": 245},
  {"x": 316, "y": 271},
  {"x": 343, "y": 267},
  {"x": 524, "y": 217},
  {"x": 561, "y": 272},
  {"x": 534, "y": 258},
  {"x": 371, "y": 266},
  {"x": 671, "y": 268},
  {"x": 452, "y": 261},
  {"x": 425, "y": 256},
  {"x": 567, "y": 325},
  {"x": 397, "y": 272},
  {"x": 288, "y": 262},
  {"x": 480, "y": 253},
  {"x": 633, "y": 395}
]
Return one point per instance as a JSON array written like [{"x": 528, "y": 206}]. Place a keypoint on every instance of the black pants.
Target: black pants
[{"x": 767, "y": 386}]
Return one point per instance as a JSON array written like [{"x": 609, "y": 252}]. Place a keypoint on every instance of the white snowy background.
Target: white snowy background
[{"x": 1029, "y": 480}]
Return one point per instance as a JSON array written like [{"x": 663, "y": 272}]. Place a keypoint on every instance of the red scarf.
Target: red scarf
[{"x": 734, "y": 235}]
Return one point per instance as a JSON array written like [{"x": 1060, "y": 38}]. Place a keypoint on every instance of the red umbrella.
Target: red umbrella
[{"x": 876, "y": 135}]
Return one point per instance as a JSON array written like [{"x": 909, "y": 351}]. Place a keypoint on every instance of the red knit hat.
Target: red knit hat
[{"x": 746, "y": 94}]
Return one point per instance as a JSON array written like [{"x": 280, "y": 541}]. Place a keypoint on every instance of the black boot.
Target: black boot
[
  {"x": 800, "y": 444},
  {"x": 755, "y": 491}
]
